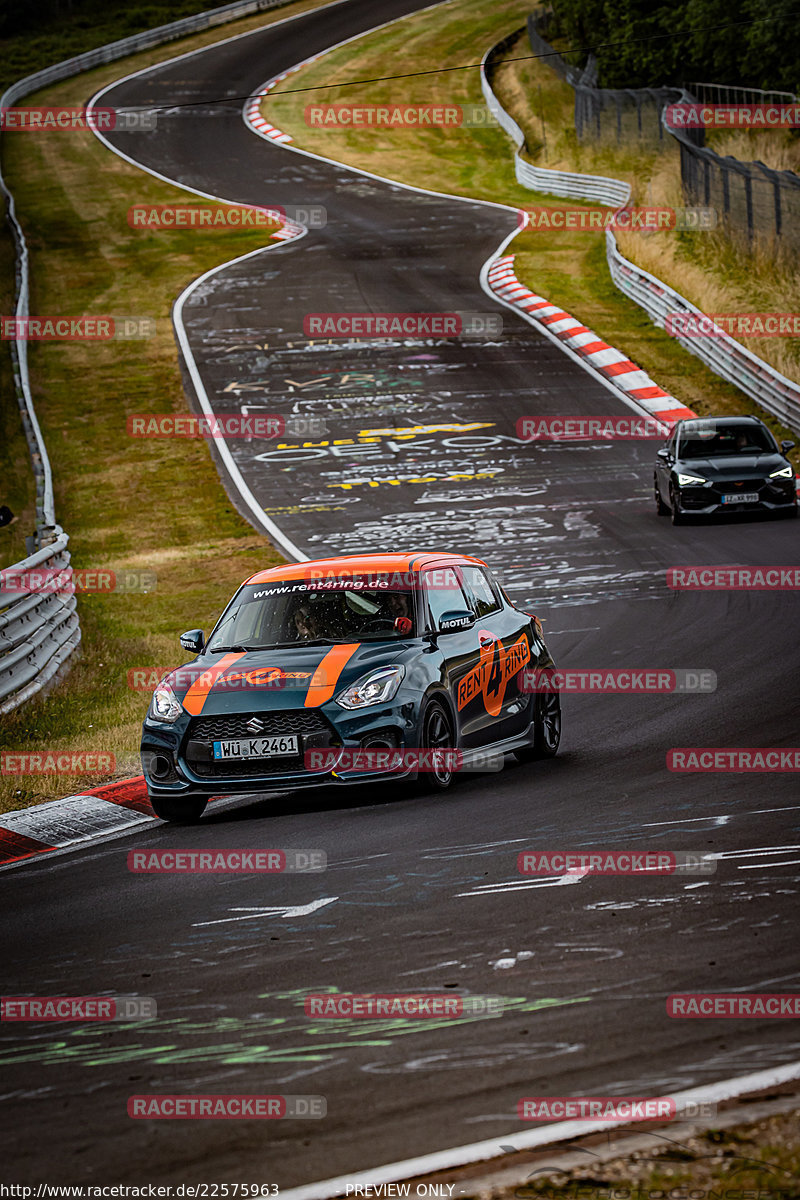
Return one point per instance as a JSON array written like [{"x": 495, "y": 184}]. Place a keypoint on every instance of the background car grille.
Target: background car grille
[{"x": 310, "y": 726}]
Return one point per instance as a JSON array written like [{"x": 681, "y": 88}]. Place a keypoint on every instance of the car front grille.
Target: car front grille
[
  {"x": 309, "y": 726},
  {"x": 302, "y": 721}
]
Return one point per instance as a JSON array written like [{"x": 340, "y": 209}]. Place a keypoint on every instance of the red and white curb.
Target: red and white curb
[
  {"x": 252, "y": 110},
  {"x": 609, "y": 363},
  {"x": 28, "y": 832}
]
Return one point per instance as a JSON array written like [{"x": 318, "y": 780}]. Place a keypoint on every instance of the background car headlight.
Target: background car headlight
[
  {"x": 375, "y": 688},
  {"x": 684, "y": 479},
  {"x": 165, "y": 705},
  {"x": 783, "y": 473}
]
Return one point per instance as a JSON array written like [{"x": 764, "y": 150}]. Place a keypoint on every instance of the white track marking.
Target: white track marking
[
  {"x": 281, "y": 910},
  {"x": 521, "y": 885},
  {"x": 561, "y": 1131}
]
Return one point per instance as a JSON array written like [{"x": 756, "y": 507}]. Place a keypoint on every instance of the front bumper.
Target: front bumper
[
  {"x": 773, "y": 496},
  {"x": 177, "y": 760}
]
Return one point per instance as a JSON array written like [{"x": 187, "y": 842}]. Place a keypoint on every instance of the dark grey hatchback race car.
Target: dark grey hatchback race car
[
  {"x": 714, "y": 465},
  {"x": 350, "y": 670}
]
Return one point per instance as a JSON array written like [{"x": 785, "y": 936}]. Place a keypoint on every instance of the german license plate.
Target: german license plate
[
  {"x": 742, "y": 498},
  {"x": 259, "y": 747}
]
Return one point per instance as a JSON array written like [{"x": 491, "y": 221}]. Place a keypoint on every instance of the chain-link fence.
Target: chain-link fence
[{"x": 751, "y": 198}]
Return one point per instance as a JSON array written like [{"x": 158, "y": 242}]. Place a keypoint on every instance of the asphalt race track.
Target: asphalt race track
[{"x": 423, "y": 893}]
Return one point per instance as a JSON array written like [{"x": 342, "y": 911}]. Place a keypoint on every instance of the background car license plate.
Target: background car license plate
[
  {"x": 744, "y": 498},
  {"x": 259, "y": 747}
]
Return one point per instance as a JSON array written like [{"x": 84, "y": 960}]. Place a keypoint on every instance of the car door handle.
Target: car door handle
[{"x": 484, "y": 640}]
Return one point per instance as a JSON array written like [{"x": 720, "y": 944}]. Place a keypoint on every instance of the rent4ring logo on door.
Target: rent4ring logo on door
[{"x": 495, "y": 667}]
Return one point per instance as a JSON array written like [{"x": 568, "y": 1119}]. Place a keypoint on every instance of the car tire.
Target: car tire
[
  {"x": 661, "y": 507},
  {"x": 437, "y": 733},
  {"x": 546, "y": 728},
  {"x": 677, "y": 516},
  {"x": 179, "y": 810},
  {"x": 792, "y": 513}
]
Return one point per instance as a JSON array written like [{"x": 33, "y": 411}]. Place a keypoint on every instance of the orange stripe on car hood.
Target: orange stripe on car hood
[
  {"x": 325, "y": 678},
  {"x": 197, "y": 694}
]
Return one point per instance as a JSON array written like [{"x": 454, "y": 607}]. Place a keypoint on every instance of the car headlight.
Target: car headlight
[
  {"x": 165, "y": 705},
  {"x": 782, "y": 473},
  {"x": 375, "y": 688},
  {"x": 684, "y": 479}
]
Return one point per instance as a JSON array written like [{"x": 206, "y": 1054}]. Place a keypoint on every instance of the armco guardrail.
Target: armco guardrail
[
  {"x": 723, "y": 354},
  {"x": 38, "y": 629},
  {"x": 541, "y": 179},
  {"x": 38, "y": 632},
  {"x": 726, "y": 357}
]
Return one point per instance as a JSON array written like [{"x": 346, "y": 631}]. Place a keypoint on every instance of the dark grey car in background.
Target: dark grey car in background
[{"x": 714, "y": 465}]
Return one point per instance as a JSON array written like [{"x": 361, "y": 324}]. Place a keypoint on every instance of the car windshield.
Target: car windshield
[
  {"x": 717, "y": 441},
  {"x": 295, "y": 612}
]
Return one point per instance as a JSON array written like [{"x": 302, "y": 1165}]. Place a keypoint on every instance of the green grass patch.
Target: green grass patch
[{"x": 127, "y": 504}]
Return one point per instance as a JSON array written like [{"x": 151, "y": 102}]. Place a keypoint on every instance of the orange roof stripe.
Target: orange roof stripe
[{"x": 357, "y": 564}]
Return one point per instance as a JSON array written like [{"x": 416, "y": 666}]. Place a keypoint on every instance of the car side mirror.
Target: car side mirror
[
  {"x": 193, "y": 641},
  {"x": 786, "y": 447},
  {"x": 452, "y": 622},
  {"x": 664, "y": 454}
]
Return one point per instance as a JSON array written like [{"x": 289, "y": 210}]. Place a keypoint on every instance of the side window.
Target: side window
[
  {"x": 443, "y": 593},
  {"x": 480, "y": 592}
]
